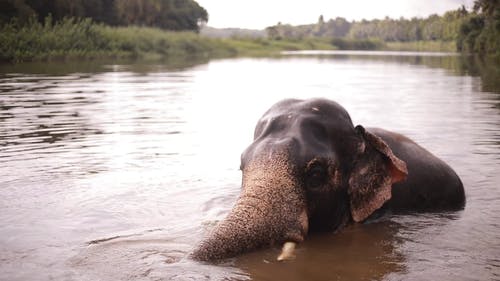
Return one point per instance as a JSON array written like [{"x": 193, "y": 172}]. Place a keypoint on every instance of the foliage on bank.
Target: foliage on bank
[
  {"x": 165, "y": 14},
  {"x": 433, "y": 27},
  {"x": 67, "y": 38},
  {"x": 84, "y": 39},
  {"x": 422, "y": 46},
  {"x": 81, "y": 38},
  {"x": 480, "y": 32},
  {"x": 476, "y": 31}
]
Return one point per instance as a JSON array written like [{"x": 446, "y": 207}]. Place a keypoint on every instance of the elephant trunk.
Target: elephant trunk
[{"x": 270, "y": 210}]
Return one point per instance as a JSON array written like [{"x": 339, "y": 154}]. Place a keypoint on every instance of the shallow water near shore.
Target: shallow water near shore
[{"x": 114, "y": 171}]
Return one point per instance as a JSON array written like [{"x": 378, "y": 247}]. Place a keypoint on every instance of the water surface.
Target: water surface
[{"x": 114, "y": 171}]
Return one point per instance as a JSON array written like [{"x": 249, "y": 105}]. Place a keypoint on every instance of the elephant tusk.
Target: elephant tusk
[{"x": 287, "y": 251}]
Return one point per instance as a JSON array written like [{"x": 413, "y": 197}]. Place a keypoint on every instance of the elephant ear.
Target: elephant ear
[{"x": 375, "y": 170}]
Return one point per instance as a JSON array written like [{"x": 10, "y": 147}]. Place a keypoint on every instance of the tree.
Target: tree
[
  {"x": 181, "y": 15},
  {"x": 319, "y": 29},
  {"x": 338, "y": 27},
  {"x": 166, "y": 14},
  {"x": 487, "y": 7},
  {"x": 480, "y": 33},
  {"x": 15, "y": 9}
]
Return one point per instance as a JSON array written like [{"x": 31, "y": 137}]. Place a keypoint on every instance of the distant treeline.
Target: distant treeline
[
  {"x": 165, "y": 14},
  {"x": 473, "y": 31},
  {"x": 402, "y": 30}
]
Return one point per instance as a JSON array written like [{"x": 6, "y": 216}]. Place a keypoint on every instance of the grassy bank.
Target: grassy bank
[
  {"x": 266, "y": 47},
  {"x": 422, "y": 46},
  {"x": 71, "y": 39},
  {"x": 357, "y": 44},
  {"x": 82, "y": 39},
  {"x": 412, "y": 46}
]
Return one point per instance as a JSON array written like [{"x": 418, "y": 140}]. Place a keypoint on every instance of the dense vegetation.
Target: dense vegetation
[
  {"x": 62, "y": 29},
  {"x": 166, "y": 14},
  {"x": 433, "y": 27},
  {"x": 472, "y": 31},
  {"x": 71, "y": 38},
  {"x": 480, "y": 32}
]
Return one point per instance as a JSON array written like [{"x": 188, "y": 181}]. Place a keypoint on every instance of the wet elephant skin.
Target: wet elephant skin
[{"x": 310, "y": 169}]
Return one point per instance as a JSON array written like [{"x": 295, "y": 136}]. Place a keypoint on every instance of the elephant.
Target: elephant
[{"x": 309, "y": 169}]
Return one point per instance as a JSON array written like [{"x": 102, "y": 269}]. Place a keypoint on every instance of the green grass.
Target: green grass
[
  {"x": 375, "y": 44},
  {"x": 83, "y": 39},
  {"x": 72, "y": 39},
  {"x": 265, "y": 47},
  {"x": 357, "y": 44},
  {"x": 422, "y": 46}
]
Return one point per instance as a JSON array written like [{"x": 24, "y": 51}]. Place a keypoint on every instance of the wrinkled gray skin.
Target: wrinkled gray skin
[{"x": 309, "y": 169}]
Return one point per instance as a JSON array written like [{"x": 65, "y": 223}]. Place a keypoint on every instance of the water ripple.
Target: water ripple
[{"x": 141, "y": 161}]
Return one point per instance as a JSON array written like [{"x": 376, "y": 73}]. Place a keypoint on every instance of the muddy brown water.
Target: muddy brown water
[{"x": 113, "y": 171}]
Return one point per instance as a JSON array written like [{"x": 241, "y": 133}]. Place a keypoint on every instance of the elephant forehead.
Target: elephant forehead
[
  {"x": 302, "y": 135},
  {"x": 321, "y": 108},
  {"x": 307, "y": 129},
  {"x": 315, "y": 120}
]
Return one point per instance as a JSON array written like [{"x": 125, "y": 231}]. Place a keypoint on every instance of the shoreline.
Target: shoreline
[
  {"x": 232, "y": 48},
  {"x": 83, "y": 40}
]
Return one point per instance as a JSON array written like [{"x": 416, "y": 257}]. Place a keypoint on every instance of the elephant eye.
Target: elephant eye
[{"x": 316, "y": 175}]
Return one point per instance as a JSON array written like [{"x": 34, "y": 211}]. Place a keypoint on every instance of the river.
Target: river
[{"x": 114, "y": 171}]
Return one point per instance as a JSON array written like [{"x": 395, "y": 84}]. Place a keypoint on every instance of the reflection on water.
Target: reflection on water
[
  {"x": 114, "y": 171},
  {"x": 484, "y": 67},
  {"x": 99, "y": 66}
]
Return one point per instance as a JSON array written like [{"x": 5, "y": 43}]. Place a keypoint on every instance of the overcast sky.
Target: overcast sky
[{"x": 258, "y": 14}]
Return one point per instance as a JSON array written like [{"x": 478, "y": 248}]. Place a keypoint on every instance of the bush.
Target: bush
[
  {"x": 480, "y": 33},
  {"x": 82, "y": 38},
  {"x": 354, "y": 44},
  {"x": 35, "y": 40}
]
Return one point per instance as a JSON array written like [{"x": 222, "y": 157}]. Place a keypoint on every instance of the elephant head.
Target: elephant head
[{"x": 308, "y": 169}]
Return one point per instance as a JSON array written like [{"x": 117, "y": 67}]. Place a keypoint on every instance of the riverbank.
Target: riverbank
[
  {"x": 82, "y": 39},
  {"x": 422, "y": 46},
  {"x": 72, "y": 39}
]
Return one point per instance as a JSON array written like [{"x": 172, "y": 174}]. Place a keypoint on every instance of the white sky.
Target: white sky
[{"x": 258, "y": 14}]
